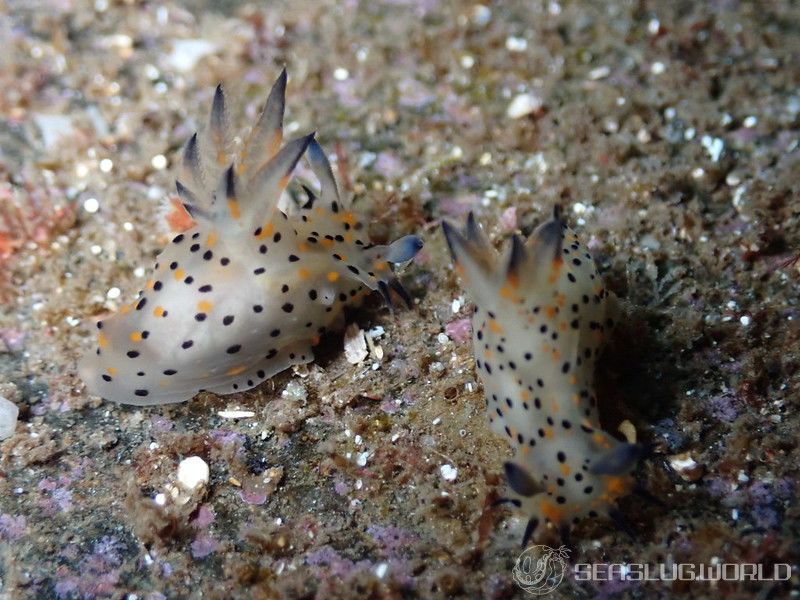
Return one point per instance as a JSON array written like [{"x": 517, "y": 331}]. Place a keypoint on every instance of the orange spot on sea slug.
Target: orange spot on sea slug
[
  {"x": 178, "y": 218},
  {"x": 266, "y": 231}
]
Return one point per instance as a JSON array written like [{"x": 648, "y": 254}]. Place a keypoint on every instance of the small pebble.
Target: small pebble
[
  {"x": 449, "y": 472},
  {"x": 685, "y": 466},
  {"x": 193, "y": 472},
  {"x": 8, "y": 418},
  {"x": 522, "y": 105},
  {"x": 91, "y": 205}
]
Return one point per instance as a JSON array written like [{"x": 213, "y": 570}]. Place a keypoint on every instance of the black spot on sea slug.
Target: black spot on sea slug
[
  {"x": 288, "y": 307},
  {"x": 169, "y": 372},
  {"x": 106, "y": 377},
  {"x": 187, "y": 344},
  {"x": 204, "y": 288},
  {"x": 234, "y": 349},
  {"x": 227, "y": 320},
  {"x": 132, "y": 354},
  {"x": 141, "y": 393}
]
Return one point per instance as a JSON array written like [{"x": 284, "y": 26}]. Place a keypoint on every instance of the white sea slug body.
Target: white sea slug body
[
  {"x": 538, "y": 325},
  {"x": 247, "y": 289}
]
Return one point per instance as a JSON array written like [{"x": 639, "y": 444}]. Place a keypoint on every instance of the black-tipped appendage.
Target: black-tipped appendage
[
  {"x": 401, "y": 291},
  {"x": 383, "y": 288},
  {"x": 230, "y": 182},
  {"x": 530, "y": 528},
  {"x": 311, "y": 197}
]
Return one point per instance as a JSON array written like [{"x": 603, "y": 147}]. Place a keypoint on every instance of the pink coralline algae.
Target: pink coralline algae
[
  {"x": 724, "y": 407},
  {"x": 97, "y": 575},
  {"x": 12, "y": 527},
  {"x": 59, "y": 500},
  {"x": 203, "y": 545},
  {"x": 205, "y": 517},
  {"x": 459, "y": 330},
  {"x": 391, "y": 539},
  {"x": 13, "y": 339},
  {"x": 764, "y": 499}
]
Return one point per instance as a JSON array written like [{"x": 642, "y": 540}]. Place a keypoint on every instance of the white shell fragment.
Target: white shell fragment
[
  {"x": 355, "y": 346},
  {"x": 193, "y": 472},
  {"x": 8, "y": 418},
  {"x": 236, "y": 414},
  {"x": 686, "y": 466},
  {"x": 449, "y": 472},
  {"x": 522, "y": 105}
]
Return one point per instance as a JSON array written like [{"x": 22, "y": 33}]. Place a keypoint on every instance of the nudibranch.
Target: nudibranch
[
  {"x": 541, "y": 313},
  {"x": 248, "y": 288}
]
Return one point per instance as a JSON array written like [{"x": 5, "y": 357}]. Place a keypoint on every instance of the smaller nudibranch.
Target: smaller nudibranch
[
  {"x": 541, "y": 315},
  {"x": 247, "y": 289}
]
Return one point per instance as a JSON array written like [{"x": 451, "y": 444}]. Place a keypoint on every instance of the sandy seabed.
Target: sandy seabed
[{"x": 668, "y": 131}]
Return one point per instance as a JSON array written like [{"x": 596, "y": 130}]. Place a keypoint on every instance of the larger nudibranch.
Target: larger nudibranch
[
  {"x": 247, "y": 289},
  {"x": 540, "y": 317}
]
